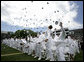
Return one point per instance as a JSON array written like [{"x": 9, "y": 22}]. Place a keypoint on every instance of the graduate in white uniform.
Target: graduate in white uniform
[
  {"x": 12, "y": 40},
  {"x": 42, "y": 46},
  {"x": 38, "y": 46},
  {"x": 36, "y": 50},
  {"x": 55, "y": 36},
  {"x": 63, "y": 33},
  {"x": 61, "y": 56},
  {"x": 25, "y": 48},
  {"x": 49, "y": 44},
  {"x": 73, "y": 47},
  {"x": 28, "y": 38}
]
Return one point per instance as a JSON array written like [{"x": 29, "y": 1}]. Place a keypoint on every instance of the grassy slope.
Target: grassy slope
[
  {"x": 7, "y": 50},
  {"x": 19, "y": 57}
]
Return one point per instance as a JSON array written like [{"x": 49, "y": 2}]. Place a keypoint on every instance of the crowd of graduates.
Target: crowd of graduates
[{"x": 57, "y": 48}]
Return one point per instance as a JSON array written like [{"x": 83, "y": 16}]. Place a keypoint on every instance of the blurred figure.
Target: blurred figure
[{"x": 63, "y": 33}]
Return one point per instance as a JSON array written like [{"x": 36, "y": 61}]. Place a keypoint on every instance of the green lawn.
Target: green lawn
[
  {"x": 7, "y": 50},
  {"x": 25, "y": 57},
  {"x": 79, "y": 57},
  {"x": 18, "y": 57}
]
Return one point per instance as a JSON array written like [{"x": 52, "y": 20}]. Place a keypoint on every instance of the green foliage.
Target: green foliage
[
  {"x": 23, "y": 33},
  {"x": 12, "y": 35}
]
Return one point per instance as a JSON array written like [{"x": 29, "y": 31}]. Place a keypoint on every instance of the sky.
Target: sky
[{"x": 38, "y": 15}]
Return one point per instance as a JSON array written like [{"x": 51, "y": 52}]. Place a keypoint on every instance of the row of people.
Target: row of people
[{"x": 58, "y": 48}]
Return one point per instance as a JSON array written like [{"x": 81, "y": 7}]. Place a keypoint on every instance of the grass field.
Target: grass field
[
  {"x": 24, "y": 57},
  {"x": 79, "y": 57},
  {"x": 8, "y": 50},
  {"x": 17, "y": 57}
]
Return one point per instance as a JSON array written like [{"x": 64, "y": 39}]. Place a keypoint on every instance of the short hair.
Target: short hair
[{"x": 50, "y": 27}]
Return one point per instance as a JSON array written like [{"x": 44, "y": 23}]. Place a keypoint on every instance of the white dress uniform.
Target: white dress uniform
[
  {"x": 58, "y": 46},
  {"x": 49, "y": 45},
  {"x": 62, "y": 34}
]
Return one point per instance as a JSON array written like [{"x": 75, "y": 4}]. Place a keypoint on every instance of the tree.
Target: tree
[{"x": 23, "y": 33}]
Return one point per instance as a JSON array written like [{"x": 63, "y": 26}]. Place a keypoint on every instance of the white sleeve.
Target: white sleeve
[
  {"x": 46, "y": 34},
  {"x": 62, "y": 34}
]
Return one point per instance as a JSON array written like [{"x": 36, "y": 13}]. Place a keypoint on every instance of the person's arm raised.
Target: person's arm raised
[{"x": 63, "y": 34}]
